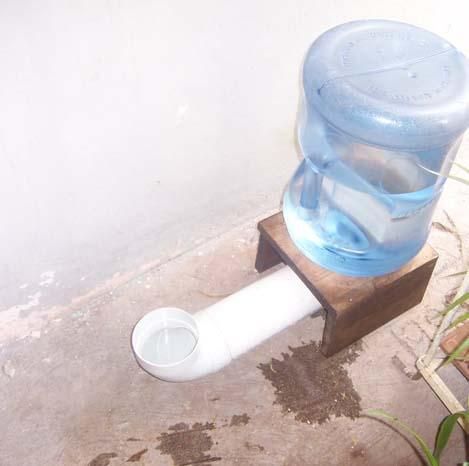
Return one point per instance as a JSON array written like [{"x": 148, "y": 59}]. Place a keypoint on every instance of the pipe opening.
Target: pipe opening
[{"x": 165, "y": 337}]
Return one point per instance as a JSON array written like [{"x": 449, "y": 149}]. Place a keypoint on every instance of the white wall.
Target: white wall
[{"x": 130, "y": 129}]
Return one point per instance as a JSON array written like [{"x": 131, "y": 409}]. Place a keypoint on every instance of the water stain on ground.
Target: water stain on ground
[
  {"x": 400, "y": 365},
  {"x": 239, "y": 420},
  {"x": 188, "y": 445},
  {"x": 137, "y": 456},
  {"x": 358, "y": 451},
  {"x": 254, "y": 446},
  {"x": 103, "y": 459},
  {"x": 312, "y": 386}
]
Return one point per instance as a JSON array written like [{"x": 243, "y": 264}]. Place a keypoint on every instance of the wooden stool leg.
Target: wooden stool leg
[
  {"x": 266, "y": 256},
  {"x": 336, "y": 335}
]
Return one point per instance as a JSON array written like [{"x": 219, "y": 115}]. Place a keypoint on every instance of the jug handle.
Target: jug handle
[{"x": 311, "y": 189}]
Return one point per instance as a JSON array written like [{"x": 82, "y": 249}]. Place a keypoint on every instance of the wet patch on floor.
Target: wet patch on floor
[
  {"x": 137, "y": 456},
  {"x": 358, "y": 451},
  {"x": 103, "y": 459},
  {"x": 400, "y": 365},
  {"x": 185, "y": 444},
  {"x": 188, "y": 445},
  {"x": 239, "y": 420},
  {"x": 314, "y": 387},
  {"x": 254, "y": 446}
]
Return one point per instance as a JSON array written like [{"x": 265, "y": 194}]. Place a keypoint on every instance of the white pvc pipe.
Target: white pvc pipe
[{"x": 176, "y": 346}]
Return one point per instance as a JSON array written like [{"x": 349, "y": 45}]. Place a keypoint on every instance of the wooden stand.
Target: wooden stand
[{"x": 354, "y": 306}]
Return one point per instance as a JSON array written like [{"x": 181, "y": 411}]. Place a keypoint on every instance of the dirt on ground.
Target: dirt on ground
[
  {"x": 314, "y": 387},
  {"x": 188, "y": 445}
]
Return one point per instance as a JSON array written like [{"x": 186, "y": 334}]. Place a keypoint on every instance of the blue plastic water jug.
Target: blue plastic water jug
[{"x": 384, "y": 109}]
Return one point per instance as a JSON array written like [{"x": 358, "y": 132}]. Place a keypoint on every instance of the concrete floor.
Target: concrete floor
[{"x": 72, "y": 394}]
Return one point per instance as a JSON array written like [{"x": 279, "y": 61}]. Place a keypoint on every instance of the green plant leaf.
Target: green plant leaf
[
  {"x": 461, "y": 300},
  {"x": 457, "y": 274},
  {"x": 458, "y": 178},
  {"x": 453, "y": 177},
  {"x": 462, "y": 318},
  {"x": 465, "y": 358},
  {"x": 444, "y": 431},
  {"x": 460, "y": 349},
  {"x": 461, "y": 166},
  {"x": 379, "y": 413}
]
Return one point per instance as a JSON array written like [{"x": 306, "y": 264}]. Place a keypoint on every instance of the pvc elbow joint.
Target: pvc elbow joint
[{"x": 175, "y": 346}]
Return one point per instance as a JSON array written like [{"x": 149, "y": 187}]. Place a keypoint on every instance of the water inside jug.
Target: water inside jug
[{"x": 376, "y": 153}]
